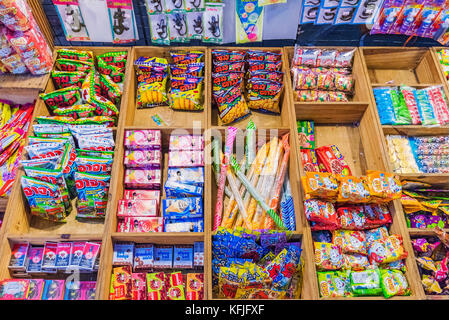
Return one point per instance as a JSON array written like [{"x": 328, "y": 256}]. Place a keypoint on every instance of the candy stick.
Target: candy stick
[
  {"x": 255, "y": 167},
  {"x": 216, "y": 148},
  {"x": 238, "y": 198},
  {"x": 256, "y": 195},
  {"x": 258, "y": 165},
  {"x": 231, "y": 203},
  {"x": 250, "y": 146},
  {"x": 270, "y": 177},
  {"x": 279, "y": 180},
  {"x": 268, "y": 164},
  {"x": 222, "y": 179}
]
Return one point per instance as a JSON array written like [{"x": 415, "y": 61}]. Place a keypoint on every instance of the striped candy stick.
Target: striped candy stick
[
  {"x": 279, "y": 180},
  {"x": 231, "y": 203},
  {"x": 216, "y": 149},
  {"x": 255, "y": 194}
]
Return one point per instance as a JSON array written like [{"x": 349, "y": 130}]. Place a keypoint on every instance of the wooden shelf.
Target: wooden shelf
[
  {"x": 432, "y": 178},
  {"x": 415, "y": 130}
]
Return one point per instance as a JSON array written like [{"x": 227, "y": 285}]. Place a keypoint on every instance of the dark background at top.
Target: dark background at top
[{"x": 311, "y": 35}]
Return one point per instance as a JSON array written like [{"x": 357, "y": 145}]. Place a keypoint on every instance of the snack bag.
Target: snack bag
[
  {"x": 114, "y": 58},
  {"x": 92, "y": 194},
  {"x": 44, "y": 199},
  {"x": 151, "y": 90},
  {"x": 231, "y": 105},
  {"x": 328, "y": 256},
  {"x": 220, "y": 55},
  {"x": 72, "y": 54},
  {"x": 73, "y": 65},
  {"x": 320, "y": 185},
  {"x": 355, "y": 262},
  {"x": 76, "y": 111},
  {"x": 309, "y": 160},
  {"x": 331, "y": 158},
  {"x": 64, "y": 79},
  {"x": 350, "y": 241},
  {"x": 387, "y": 250},
  {"x": 321, "y": 212},
  {"x": 186, "y": 93},
  {"x": 385, "y": 186},
  {"x": 351, "y": 218},
  {"x": 109, "y": 89},
  {"x": 372, "y": 235},
  {"x": 224, "y": 81},
  {"x": 394, "y": 283},
  {"x": 264, "y": 95},
  {"x": 180, "y": 57},
  {"x": 352, "y": 190},
  {"x": 62, "y": 98},
  {"x": 334, "y": 284},
  {"x": 365, "y": 283}
]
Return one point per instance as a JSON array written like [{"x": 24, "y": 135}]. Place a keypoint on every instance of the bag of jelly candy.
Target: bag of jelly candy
[
  {"x": 114, "y": 58},
  {"x": 328, "y": 256},
  {"x": 64, "y": 79},
  {"x": 366, "y": 283},
  {"x": 394, "y": 283},
  {"x": 425, "y": 108},
  {"x": 44, "y": 199},
  {"x": 62, "y": 98},
  {"x": 92, "y": 194}
]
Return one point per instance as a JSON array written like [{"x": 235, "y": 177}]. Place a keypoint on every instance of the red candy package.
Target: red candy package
[
  {"x": 331, "y": 158},
  {"x": 309, "y": 160},
  {"x": 321, "y": 212},
  {"x": 351, "y": 218},
  {"x": 377, "y": 215}
]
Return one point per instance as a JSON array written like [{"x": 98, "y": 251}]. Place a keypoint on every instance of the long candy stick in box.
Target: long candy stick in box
[
  {"x": 216, "y": 149},
  {"x": 232, "y": 202},
  {"x": 222, "y": 180},
  {"x": 279, "y": 180},
  {"x": 250, "y": 146},
  {"x": 238, "y": 198},
  {"x": 255, "y": 194},
  {"x": 259, "y": 163},
  {"x": 270, "y": 177}
]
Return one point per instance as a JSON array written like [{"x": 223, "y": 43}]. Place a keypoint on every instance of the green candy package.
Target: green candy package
[
  {"x": 92, "y": 194},
  {"x": 109, "y": 89},
  {"x": 80, "y": 55},
  {"x": 54, "y": 177},
  {"x": 94, "y": 165},
  {"x": 401, "y": 111},
  {"x": 64, "y": 138},
  {"x": 68, "y": 167},
  {"x": 107, "y": 121},
  {"x": 73, "y": 65},
  {"x": 334, "y": 284},
  {"x": 116, "y": 74},
  {"x": 95, "y": 153},
  {"x": 394, "y": 283},
  {"x": 115, "y": 58},
  {"x": 365, "y": 283},
  {"x": 44, "y": 199},
  {"x": 62, "y": 98},
  {"x": 76, "y": 112},
  {"x": 64, "y": 79}
]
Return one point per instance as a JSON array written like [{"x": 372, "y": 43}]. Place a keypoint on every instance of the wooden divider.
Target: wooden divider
[{"x": 354, "y": 127}]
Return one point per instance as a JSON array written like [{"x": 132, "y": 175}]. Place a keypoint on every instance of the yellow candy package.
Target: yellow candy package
[
  {"x": 383, "y": 186},
  {"x": 350, "y": 241},
  {"x": 355, "y": 262},
  {"x": 231, "y": 104},
  {"x": 393, "y": 283},
  {"x": 151, "y": 90},
  {"x": 256, "y": 293},
  {"x": 186, "y": 93},
  {"x": 352, "y": 190},
  {"x": 320, "y": 185}
]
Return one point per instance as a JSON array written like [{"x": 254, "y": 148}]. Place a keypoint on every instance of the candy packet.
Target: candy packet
[
  {"x": 62, "y": 98},
  {"x": 151, "y": 90},
  {"x": 321, "y": 212},
  {"x": 387, "y": 250},
  {"x": 73, "y": 65},
  {"x": 328, "y": 256},
  {"x": 394, "y": 283},
  {"x": 334, "y": 284},
  {"x": 366, "y": 283},
  {"x": 92, "y": 194},
  {"x": 333, "y": 161},
  {"x": 350, "y": 241},
  {"x": 320, "y": 185},
  {"x": 186, "y": 93},
  {"x": 264, "y": 95},
  {"x": 64, "y": 79}
]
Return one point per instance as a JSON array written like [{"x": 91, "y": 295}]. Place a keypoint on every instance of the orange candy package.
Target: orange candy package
[
  {"x": 320, "y": 185},
  {"x": 352, "y": 190}
]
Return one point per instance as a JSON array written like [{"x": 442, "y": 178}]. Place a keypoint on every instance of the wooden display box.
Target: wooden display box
[
  {"x": 260, "y": 119},
  {"x": 361, "y": 153},
  {"x": 142, "y": 118},
  {"x": 8, "y": 243},
  {"x": 263, "y": 136},
  {"x": 323, "y": 112},
  {"x": 19, "y": 220}
]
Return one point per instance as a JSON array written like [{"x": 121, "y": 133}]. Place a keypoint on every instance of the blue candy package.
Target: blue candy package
[
  {"x": 384, "y": 104},
  {"x": 425, "y": 108},
  {"x": 182, "y": 208},
  {"x": 193, "y": 176},
  {"x": 184, "y": 225},
  {"x": 175, "y": 189}
]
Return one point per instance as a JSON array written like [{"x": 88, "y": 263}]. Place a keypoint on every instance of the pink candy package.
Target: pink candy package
[
  {"x": 183, "y": 159},
  {"x": 16, "y": 15},
  {"x": 143, "y": 159},
  {"x": 439, "y": 104},
  {"x": 142, "y": 194},
  {"x": 141, "y": 224},
  {"x": 143, "y": 178},
  {"x": 137, "y": 208},
  {"x": 186, "y": 142},
  {"x": 143, "y": 139}
]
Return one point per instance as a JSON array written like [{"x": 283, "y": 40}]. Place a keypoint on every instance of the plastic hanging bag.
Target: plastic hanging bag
[
  {"x": 195, "y": 25},
  {"x": 121, "y": 17},
  {"x": 160, "y": 33},
  {"x": 177, "y": 24},
  {"x": 213, "y": 23}
]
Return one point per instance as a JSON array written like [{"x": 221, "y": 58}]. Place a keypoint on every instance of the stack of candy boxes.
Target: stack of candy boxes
[
  {"x": 354, "y": 253},
  {"x": 67, "y": 162},
  {"x": 244, "y": 81},
  {"x": 54, "y": 259},
  {"x": 139, "y": 210},
  {"x": 88, "y": 89},
  {"x": 405, "y": 105},
  {"x": 151, "y": 272}
]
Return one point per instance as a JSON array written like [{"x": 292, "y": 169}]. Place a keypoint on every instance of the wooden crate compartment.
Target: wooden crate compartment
[
  {"x": 180, "y": 119},
  {"x": 263, "y": 136},
  {"x": 260, "y": 119},
  {"x": 9, "y": 240},
  {"x": 360, "y": 147},
  {"x": 19, "y": 220},
  {"x": 119, "y": 187},
  {"x": 395, "y": 66},
  {"x": 154, "y": 238}
]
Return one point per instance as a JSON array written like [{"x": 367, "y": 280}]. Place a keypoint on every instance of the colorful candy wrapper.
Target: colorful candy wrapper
[
  {"x": 366, "y": 283},
  {"x": 64, "y": 79},
  {"x": 222, "y": 179},
  {"x": 62, "y": 98},
  {"x": 73, "y": 65},
  {"x": 76, "y": 112},
  {"x": 408, "y": 93},
  {"x": 350, "y": 241},
  {"x": 216, "y": 149},
  {"x": 425, "y": 108},
  {"x": 321, "y": 212},
  {"x": 328, "y": 256},
  {"x": 333, "y": 160},
  {"x": 92, "y": 194},
  {"x": 44, "y": 199},
  {"x": 334, "y": 284},
  {"x": 186, "y": 93},
  {"x": 231, "y": 105},
  {"x": 394, "y": 283},
  {"x": 264, "y": 95},
  {"x": 72, "y": 54},
  {"x": 320, "y": 185},
  {"x": 151, "y": 90},
  {"x": 114, "y": 58},
  {"x": 387, "y": 250},
  {"x": 220, "y": 55}
]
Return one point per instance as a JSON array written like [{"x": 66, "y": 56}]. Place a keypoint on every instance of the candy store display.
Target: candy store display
[
  {"x": 432, "y": 257},
  {"x": 256, "y": 265},
  {"x": 419, "y": 154},
  {"x": 257, "y": 194},
  {"x": 66, "y": 162},
  {"x": 23, "y": 46},
  {"x": 142, "y": 209},
  {"x": 47, "y": 270},
  {"x": 178, "y": 84},
  {"x": 15, "y": 120},
  {"x": 245, "y": 80},
  {"x": 322, "y": 75},
  {"x": 157, "y": 272},
  {"x": 443, "y": 56},
  {"x": 425, "y": 206},
  {"x": 406, "y": 105}
]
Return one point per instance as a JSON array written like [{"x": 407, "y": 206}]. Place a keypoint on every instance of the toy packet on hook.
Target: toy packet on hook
[
  {"x": 159, "y": 29},
  {"x": 177, "y": 24},
  {"x": 213, "y": 23},
  {"x": 72, "y": 20},
  {"x": 121, "y": 17},
  {"x": 194, "y": 5},
  {"x": 155, "y": 6},
  {"x": 195, "y": 26}
]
